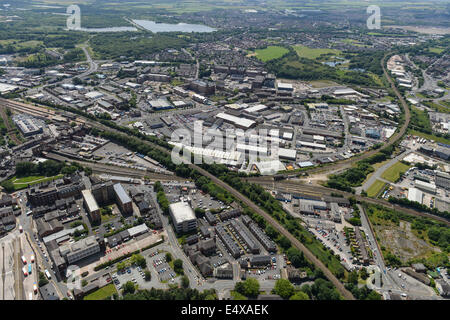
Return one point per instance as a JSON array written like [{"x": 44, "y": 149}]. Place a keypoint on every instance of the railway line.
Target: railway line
[{"x": 293, "y": 186}]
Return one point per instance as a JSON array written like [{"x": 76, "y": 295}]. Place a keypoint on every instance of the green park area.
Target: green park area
[
  {"x": 102, "y": 293},
  {"x": 270, "y": 53},
  {"x": 394, "y": 172},
  {"x": 312, "y": 53},
  {"x": 376, "y": 188}
]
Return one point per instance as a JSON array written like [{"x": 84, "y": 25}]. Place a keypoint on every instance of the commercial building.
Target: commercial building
[
  {"x": 183, "y": 217},
  {"x": 91, "y": 205},
  {"x": 27, "y": 125},
  {"x": 79, "y": 250}
]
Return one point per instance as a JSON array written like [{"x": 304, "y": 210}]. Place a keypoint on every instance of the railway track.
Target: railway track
[{"x": 298, "y": 187}]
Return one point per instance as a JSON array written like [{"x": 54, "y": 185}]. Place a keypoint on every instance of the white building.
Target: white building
[{"x": 183, "y": 217}]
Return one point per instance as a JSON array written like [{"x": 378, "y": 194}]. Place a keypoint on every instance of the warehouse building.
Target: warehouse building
[
  {"x": 443, "y": 180},
  {"x": 425, "y": 186},
  {"x": 238, "y": 122},
  {"x": 415, "y": 194},
  {"x": 183, "y": 217}
]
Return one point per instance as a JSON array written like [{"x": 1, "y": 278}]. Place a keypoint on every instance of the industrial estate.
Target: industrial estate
[{"x": 241, "y": 152}]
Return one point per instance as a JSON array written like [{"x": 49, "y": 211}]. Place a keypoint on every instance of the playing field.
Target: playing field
[
  {"x": 270, "y": 53},
  {"x": 394, "y": 172},
  {"x": 311, "y": 53}
]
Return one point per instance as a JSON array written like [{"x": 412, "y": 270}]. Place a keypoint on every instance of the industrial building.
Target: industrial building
[
  {"x": 238, "y": 122},
  {"x": 415, "y": 194},
  {"x": 27, "y": 125},
  {"x": 91, "y": 205},
  {"x": 123, "y": 200},
  {"x": 183, "y": 217}
]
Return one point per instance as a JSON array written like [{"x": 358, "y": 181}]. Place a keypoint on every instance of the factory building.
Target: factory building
[
  {"x": 123, "y": 200},
  {"x": 91, "y": 205}
]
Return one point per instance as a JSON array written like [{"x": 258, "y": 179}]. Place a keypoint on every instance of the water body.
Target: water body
[
  {"x": 167, "y": 27},
  {"x": 111, "y": 29}
]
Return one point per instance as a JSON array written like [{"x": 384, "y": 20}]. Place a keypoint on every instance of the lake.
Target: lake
[{"x": 167, "y": 27}]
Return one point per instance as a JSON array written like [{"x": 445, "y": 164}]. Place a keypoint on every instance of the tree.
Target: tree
[
  {"x": 129, "y": 287},
  {"x": 284, "y": 288},
  {"x": 248, "y": 288},
  {"x": 284, "y": 242},
  {"x": 138, "y": 260},
  {"x": 353, "y": 277},
  {"x": 121, "y": 266},
  {"x": 299, "y": 296},
  {"x": 178, "y": 266},
  {"x": 296, "y": 257},
  {"x": 8, "y": 186},
  {"x": 185, "y": 282},
  {"x": 168, "y": 257},
  {"x": 147, "y": 275}
]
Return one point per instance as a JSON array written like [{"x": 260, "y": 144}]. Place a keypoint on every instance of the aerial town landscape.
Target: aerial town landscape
[{"x": 234, "y": 150}]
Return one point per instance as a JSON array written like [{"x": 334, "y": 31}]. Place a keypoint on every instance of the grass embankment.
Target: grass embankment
[
  {"x": 375, "y": 189},
  {"x": 22, "y": 183}
]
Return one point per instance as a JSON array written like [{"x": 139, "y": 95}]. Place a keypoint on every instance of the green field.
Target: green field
[
  {"x": 310, "y": 53},
  {"x": 394, "y": 172},
  {"x": 376, "y": 188},
  {"x": 102, "y": 293},
  {"x": 270, "y": 53},
  {"x": 22, "y": 183}
]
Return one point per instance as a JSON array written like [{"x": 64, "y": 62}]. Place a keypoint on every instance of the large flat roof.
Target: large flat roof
[
  {"x": 120, "y": 191},
  {"x": 242, "y": 122},
  {"x": 181, "y": 212},
  {"x": 90, "y": 200}
]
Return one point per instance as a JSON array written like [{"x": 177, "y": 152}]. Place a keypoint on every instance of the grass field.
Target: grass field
[
  {"x": 429, "y": 136},
  {"x": 270, "y": 53},
  {"x": 376, "y": 188},
  {"x": 394, "y": 172},
  {"x": 22, "y": 183},
  {"x": 310, "y": 53},
  {"x": 102, "y": 293}
]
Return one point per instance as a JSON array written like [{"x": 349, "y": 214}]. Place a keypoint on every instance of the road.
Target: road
[{"x": 377, "y": 174}]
